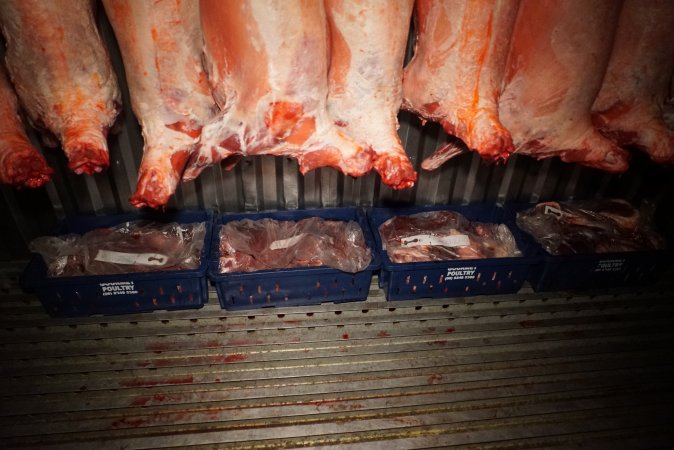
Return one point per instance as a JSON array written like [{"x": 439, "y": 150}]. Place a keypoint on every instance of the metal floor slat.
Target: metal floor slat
[{"x": 529, "y": 370}]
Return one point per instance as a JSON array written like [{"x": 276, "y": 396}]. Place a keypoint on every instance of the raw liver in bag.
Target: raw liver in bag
[
  {"x": 600, "y": 226},
  {"x": 252, "y": 245},
  {"x": 444, "y": 235}
]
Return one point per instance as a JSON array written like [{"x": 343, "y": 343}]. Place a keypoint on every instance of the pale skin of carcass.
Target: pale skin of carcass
[
  {"x": 630, "y": 105},
  {"x": 456, "y": 74},
  {"x": 558, "y": 57},
  {"x": 368, "y": 40},
  {"x": 269, "y": 74},
  {"x": 62, "y": 75},
  {"x": 161, "y": 46},
  {"x": 21, "y": 165}
]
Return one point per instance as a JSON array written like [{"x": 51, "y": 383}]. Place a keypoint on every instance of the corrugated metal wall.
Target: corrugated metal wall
[{"x": 269, "y": 182}]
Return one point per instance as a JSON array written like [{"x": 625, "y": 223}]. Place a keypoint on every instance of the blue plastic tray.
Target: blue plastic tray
[
  {"x": 297, "y": 286},
  {"x": 408, "y": 281},
  {"x": 121, "y": 293},
  {"x": 590, "y": 271}
]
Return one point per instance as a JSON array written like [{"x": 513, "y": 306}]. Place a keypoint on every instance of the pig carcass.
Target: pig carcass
[
  {"x": 161, "y": 46},
  {"x": 267, "y": 63},
  {"x": 368, "y": 40},
  {"x": 21, "y": 165},
  {"x": 630, "y": 104},
  {"x": 558, "y": 56},
  {"x": 456, "y": 74},
  {"x": 62, "y": 75}
]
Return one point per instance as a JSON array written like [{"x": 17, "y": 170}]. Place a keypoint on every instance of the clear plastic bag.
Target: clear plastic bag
[
  {"x": 444, "y": 235},
  {"x": 63, "y": 255},
  {"x": 138, "y": 246},
  {"x": 598, "y": 226},
  {"x": 252, "y": 245}
]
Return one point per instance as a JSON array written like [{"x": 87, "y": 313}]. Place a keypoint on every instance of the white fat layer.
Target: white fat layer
[
  {"x": 462, "y": 72},
  {"x": 550, "y": 100},
  {"x": 59, "y": 66},
  {"x": 375, "y": 33},
  {"x": 163, "y": 74},
  {"x": 293, "y": 37}
]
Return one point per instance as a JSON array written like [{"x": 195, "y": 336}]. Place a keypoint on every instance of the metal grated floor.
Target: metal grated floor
[{"x": 519, "y": 371}]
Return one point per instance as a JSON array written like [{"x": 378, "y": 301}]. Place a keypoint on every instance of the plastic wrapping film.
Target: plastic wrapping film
[
  {"x": 444, "y": 235},
  {"x": 598, "y": 226},
  {"x": 252, "y": 245},
  {"x": 138, "y": 246}
]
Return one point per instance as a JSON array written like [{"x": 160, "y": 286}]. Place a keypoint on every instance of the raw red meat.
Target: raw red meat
[
  {"x": 589, "y": 227},
  {"x": 130, "y": 247},
  {"x": 456, "y": 74},
  {"x": 252, "y": 245},
  {"x": 154, "y": 246},
  {"x": 161, "y": 46},
  {"x": 267, "y": 62},
  {"x": 444, "y": 235},
  {"x": 368, "y": 41},
  {"x": 629, "y": 107},
  {"x": 62, "y": 75},
  {"x": 20, "y": 164},
  {"x": 558, "y": 56}
]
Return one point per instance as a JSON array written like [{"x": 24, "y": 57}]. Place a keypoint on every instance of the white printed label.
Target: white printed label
[
  {"x": 143, "y": 259},
  {"x": 552, "y": 210},
  {"x": 458, "y": 240},
  {"x": 285, "y": 243},
  {"x": 461, "y": 273},
  {"x": 610, "y": 265},
  {"x": 118, "y": 288}
]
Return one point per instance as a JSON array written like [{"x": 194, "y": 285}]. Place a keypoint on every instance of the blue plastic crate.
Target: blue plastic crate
[
  {"x": 296, "y": 286},
  {"x": 121, "y": 293},
  {"x": 590, "y": 271},
  {"x": 452, "y": 278}
]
